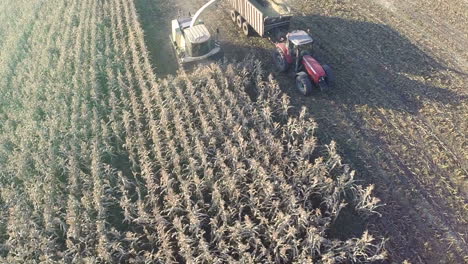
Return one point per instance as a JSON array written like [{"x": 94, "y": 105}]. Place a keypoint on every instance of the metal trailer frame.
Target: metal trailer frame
[{"x": 256, "y": 18}]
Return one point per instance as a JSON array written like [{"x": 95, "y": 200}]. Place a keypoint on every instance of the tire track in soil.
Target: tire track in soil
[
  {"x": 435, "y": 29},
  {"x": 457, "y": 229}
]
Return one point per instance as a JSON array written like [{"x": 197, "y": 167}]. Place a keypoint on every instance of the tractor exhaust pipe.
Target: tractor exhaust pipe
[{"x": 195, "y": 18}]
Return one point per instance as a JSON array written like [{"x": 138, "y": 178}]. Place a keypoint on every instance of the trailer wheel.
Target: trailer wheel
[
  {"x": 233, "y": 16},
  {"x": 246, "y": 28},
  {"x": 303, "y": 83},
  {"x": 239, "y": 21}
]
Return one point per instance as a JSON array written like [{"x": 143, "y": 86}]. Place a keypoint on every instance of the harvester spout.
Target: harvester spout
[{"x": 195, "y": 18}]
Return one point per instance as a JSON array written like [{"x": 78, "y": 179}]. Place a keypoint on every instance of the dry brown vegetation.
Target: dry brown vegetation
[{"x": 103, "y": 163}]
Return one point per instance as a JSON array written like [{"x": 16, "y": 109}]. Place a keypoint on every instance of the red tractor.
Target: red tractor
[{"x": 308, "y": 71}]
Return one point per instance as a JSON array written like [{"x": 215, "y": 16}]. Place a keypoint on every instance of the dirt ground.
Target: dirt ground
[{"x": 398, "y": 111}]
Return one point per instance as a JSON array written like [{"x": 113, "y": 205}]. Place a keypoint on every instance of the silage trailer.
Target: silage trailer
[{"x": 268, "y": 18}]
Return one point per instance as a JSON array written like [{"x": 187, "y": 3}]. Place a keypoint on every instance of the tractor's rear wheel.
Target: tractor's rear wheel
[
  {"x": 246, "y": 28},
  {"x": 233, "y": 16},
  {"x": 280, "y": 60},
  {"x": 303, "y": 83},
  {"x": 239, "y": 21}
]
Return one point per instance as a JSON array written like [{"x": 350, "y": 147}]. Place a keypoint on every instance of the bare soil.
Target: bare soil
[{"x": 398, "y": 112}]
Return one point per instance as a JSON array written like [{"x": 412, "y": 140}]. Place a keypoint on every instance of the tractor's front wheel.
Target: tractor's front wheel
[
  {"x": 303, "y": 83},
  {"x": 280, "y": 60}
]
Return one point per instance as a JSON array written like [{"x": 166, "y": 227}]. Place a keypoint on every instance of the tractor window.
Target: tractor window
[
  {"x": 306, "y": 48},
  {"x": 200, "y": 49}
]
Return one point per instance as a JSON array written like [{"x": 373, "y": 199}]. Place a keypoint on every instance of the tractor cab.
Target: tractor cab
[{"x": 299, "y": 41}]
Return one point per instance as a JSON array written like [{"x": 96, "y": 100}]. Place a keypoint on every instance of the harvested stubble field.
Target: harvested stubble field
[
  {"x": 399, "y": 110},
  {"x": 101, "y": 162}
]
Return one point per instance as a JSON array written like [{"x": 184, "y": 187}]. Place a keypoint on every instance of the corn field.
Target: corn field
[{"x": 102, "y": 162}]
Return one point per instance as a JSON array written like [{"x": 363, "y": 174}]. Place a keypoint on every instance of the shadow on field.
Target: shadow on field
[
  {"x": 375, "y": 65},
  {"x": 378, "y": 68},
  {"x": 157, "y": 27}
]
